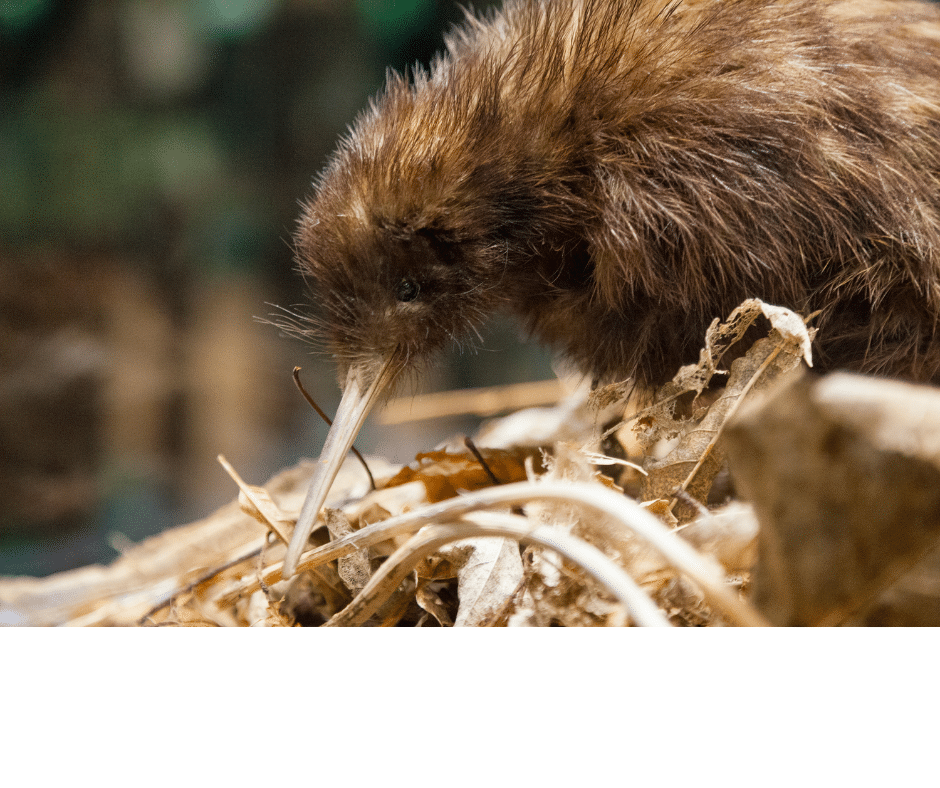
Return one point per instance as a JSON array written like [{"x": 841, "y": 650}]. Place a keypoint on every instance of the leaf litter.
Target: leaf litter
[{"x": 533, "y": 528}]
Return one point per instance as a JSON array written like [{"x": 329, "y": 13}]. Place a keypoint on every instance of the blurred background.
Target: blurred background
[{"x": 152, "y": 155}]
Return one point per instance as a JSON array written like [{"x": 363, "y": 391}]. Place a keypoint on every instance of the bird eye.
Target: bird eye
[{"x": 407, "y": 290}]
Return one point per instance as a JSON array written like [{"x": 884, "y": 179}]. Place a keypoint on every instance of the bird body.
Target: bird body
[{"x": 618, "y": 173}]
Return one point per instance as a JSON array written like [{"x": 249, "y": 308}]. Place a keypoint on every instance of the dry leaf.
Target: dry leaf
[
  {"x": 693, "y": 464},
  {"x": 728, "y": 534},
  {"x": 444, "y": 473},
  {"x": 354, "y": 569},
  {"x": 844, "y": 474},
  {"x": 913, "y": 601},
  {"x": 429, "y": 600},
  {"x": 660, "y": 507},
  {"x": 658, "y": 422},
  {"x": 256, "y": 503},
  {"x": 792, "y": 328},
  {"x": 488, "y": 575}
]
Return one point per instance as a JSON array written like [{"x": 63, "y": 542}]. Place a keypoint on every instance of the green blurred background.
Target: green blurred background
[{"x": 152, "y": 155}]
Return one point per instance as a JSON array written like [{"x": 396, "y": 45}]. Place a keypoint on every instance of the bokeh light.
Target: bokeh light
[
  {"x": 231, "y": 18},
  {"x": 18, "y": 15},
  {"x": 392, "y": 18}
]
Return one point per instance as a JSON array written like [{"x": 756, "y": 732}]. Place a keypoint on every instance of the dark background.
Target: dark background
[{"x": 152, "y": 155}]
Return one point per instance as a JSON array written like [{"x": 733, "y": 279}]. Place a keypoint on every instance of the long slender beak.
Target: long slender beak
[{"x": 362, "y": 389}]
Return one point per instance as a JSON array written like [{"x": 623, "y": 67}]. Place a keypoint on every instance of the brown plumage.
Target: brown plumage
[{"x": 620, "y": 172}]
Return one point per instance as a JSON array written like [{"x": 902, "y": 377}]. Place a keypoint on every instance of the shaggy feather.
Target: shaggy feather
[{"x": 620, "y": 172}]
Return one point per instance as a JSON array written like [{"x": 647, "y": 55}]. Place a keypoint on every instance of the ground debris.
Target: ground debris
[{"x": 532, "y": 529}]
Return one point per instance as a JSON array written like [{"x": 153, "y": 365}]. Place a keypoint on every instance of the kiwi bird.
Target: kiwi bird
[{"x": 618, "y": 173}]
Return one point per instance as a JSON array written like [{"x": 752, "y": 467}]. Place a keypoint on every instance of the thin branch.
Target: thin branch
[{"x": 479, "y": 457}]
